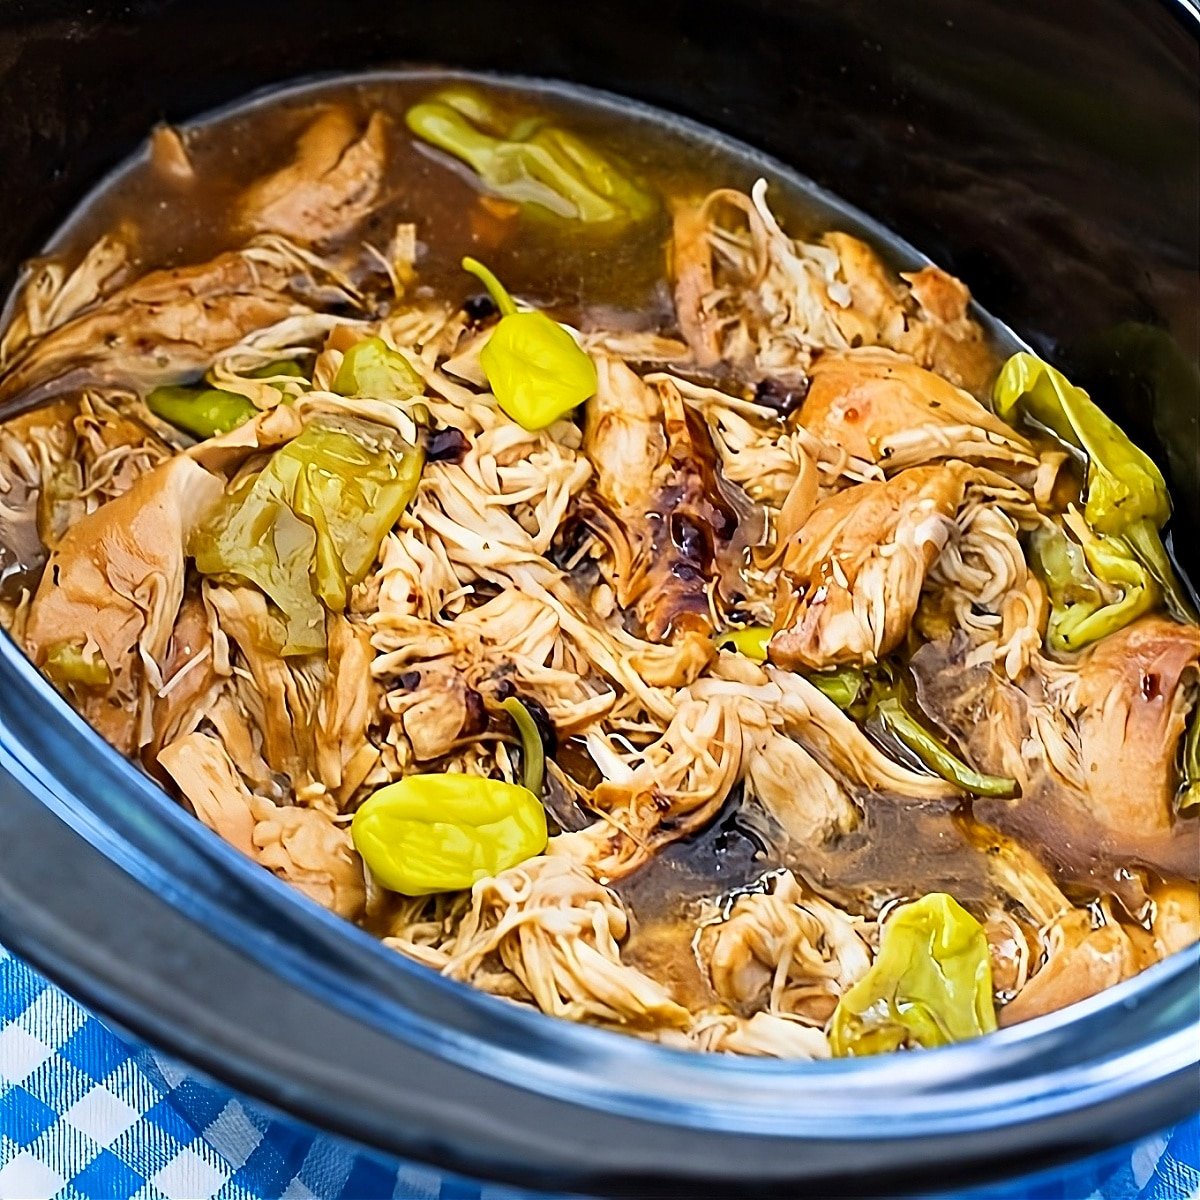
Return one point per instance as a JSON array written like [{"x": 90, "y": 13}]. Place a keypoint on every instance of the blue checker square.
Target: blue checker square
[
  {"x": 105, "y": 1176},
  {"x": 23, "y": 1117},
  {"x": 93, "y": 1049},
  {"x": 18, "y": 986}
]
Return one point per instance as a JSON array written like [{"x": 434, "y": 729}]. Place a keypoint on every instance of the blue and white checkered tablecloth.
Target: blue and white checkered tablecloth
[{"x": 86, "y": 1115}]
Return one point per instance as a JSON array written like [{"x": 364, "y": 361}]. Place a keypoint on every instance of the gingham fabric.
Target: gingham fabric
[{"x": 86, "y": 1115}]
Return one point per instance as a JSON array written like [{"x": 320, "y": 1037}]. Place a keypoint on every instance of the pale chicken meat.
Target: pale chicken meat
[
  {"x": 111, "y": 593},
  {"x": 853, "y": 574}
]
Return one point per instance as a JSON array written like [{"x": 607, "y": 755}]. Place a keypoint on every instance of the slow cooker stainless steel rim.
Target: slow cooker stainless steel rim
[{"x": 537, "y": 1089}]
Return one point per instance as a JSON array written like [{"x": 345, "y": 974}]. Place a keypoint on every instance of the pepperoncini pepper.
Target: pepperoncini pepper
[
  {"x": 1126, "y": 494},
  {"x": 1081, "y": 577},
  {"x": 881, "y": 698},
  {"x": 442, "y": 833},
  {"x": 533, "y": 753},
  {"x": 202, "y": 412},
  {"x": 308, "y": 526},
  {"x": 372, "y": 368},
  {"x": 530, "y": 161},
  {"x": 751, "y": 641},
  {"x": 535, "y": 368},
  {"x": 842, "y": 684},
  {"x": 930, "y": 983},
  {"x": 71, "y": 665}
]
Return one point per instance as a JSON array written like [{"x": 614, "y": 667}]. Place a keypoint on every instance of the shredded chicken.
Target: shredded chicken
[
  {"x": 805, "y": 457},
  {"x": 782, "y": 951},
  {"x": 164, "y": 328}
]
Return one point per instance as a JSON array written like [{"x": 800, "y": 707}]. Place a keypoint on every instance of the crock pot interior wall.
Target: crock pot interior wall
[{"x": 1048, "y": 153}]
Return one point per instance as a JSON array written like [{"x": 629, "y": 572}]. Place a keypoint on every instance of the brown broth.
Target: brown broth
[{"x": 576, "y": 270}]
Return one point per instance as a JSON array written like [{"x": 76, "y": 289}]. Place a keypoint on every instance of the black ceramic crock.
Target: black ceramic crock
[{"x": 1048, "y": 153}]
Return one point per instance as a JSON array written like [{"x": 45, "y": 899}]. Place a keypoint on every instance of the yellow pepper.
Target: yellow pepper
[
  {"x": 530, "y": 162},
  {"x": 308, "y": 526},
  {"x": 1076, "y": 573},
  {"x": 443, "y": 833},
  {"x": 930, "y": 984},
  {"x": 371, "y": 368},
  {"x": 1126, "y": 494},
  {"x": 535, "y": 368},
  {"x": 751, "y": 641},
  {"x": 67, "y": 664}
]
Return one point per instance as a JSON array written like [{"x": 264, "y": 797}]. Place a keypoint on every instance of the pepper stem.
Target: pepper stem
[
  {"x": 533, "y": 755},
  {"x": 501, "y": 298}
]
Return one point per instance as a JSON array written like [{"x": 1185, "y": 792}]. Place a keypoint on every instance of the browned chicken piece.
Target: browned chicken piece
[
  {"x": 439, "y": 711},
  {"x": 110, "y": 595},
  {"x": 1176, "y": 920},
  {"x": 923, "y": 314},
  {"x": 330, "y": 185},
  {"x": 883, "y": 408},
  {"x": 670, "y": 523},
  {"x": 853, "y": 575},
  {"x": 1088, "y": 961},
  {"x": 190, "y": 679},
  {"x": 1092, "y": 744},
  {"x": 165, "y": 328},
  {"x": 692, "y": 266}
]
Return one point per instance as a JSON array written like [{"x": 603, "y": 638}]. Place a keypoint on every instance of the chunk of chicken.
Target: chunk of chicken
[
  {"x": 1176, "y": 920},
  {"x": 301, "y": 845},
  {"x": 673, "y": 787},
  {"x": 311, "y": 711},
  {"x": 1085, "y": 964},
  {"x": 671, "y": 523},
  {"x": 881, "y": 407},
  {"x": 923, "y": 314},
  {"x": 190, "y": 678},
  {"x": 559, "y": 933},
  {"x": 762, "y": 1035},
  {"x": 786, "y": 951},
  {"x": 1092, "y": 744},
  {"x": 164, "y": 328},
  {"x": 112, "y": 591},
  {"x": 854, "y": 573},
  {"x": 807, "y": 803},
  {"x": 747, "y": 294},
  {"x": 330, "y": 185}
]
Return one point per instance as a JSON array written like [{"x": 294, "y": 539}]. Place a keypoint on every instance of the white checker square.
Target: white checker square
[
  {"x": 101, "y": 1115},
  {"x": 20, "y": 1054},
  {"x": 26, "y": 1177},
  {"x": 187, "y": 1174},
  {"x": 233, "y": 1135}
]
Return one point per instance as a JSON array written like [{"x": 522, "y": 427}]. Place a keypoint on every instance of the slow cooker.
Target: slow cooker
[{"x": 1049, "y": 154}]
